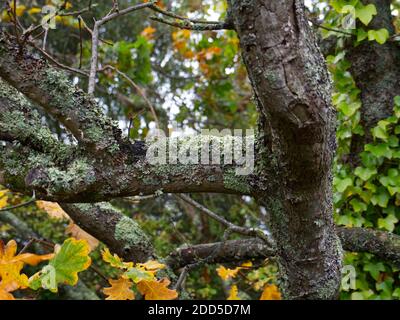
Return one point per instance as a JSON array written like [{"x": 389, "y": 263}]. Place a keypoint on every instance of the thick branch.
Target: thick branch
[
  {"x": 50, "y": 89},
  {"x": 121, "y": 234},
  {"x": 383, "y": 245}
]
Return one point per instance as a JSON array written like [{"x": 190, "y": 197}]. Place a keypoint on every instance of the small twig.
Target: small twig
[
  {"x": 188, "y": 25},
  {"x": 321, "y": 26},
  {"x": 33, "y": 199},
  {"x": 234, "y": 228}
]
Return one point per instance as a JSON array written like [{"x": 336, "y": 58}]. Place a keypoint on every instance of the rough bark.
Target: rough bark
[
  {"x": 383, "y": 245},
  {"x": 376, "y": 71},
  {"x": 293, "y": 92}
]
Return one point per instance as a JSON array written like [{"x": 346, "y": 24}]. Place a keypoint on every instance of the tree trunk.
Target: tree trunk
[{"x": 293, "y": 93}]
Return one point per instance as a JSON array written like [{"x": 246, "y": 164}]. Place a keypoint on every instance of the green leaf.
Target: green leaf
[
  {"x": 365, "y": 173},
  {"x": 366, "y": 13},
  {"x": 388, "y": 223},
  {"x": 379, "y": 36},
  {"x": 374, "y": 269},
  {"x": 138, "y": 274},
  {"x": 71, "y": 258},
  {"x": 342, "y": 184}
]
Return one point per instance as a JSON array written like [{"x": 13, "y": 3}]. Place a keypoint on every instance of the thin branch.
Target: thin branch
[
  {"x": 234, "y": 228},
  {"x": 30, "y": 201},
  {"x": 95, "y": 39},
  {"x": 188, "y": 25}
]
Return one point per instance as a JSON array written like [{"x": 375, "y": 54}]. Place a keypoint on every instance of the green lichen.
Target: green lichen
[
  {"x": 237, "y": 183},
  {"x": 130, "y": 233}
]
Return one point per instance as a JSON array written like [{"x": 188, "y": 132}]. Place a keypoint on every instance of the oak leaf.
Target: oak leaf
[
  {"x": 114, "y": 260},
  {"x": 72, "y": 257},
  {"x": 78, "y": 233},
  {"x": 120, "y": 290},
  {"x": 157, "y": 290},
  {"x": 233, "y": 293},
  {"x": 11, "y": 265},
  {"x": 271, "y": 292}
]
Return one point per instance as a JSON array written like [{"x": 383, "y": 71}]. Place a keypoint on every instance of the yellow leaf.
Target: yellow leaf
[
  {"x": 271, "y": 292},
  {"x": 114, "y": 260},
  {"x": 233, "y": 293},
  {"x": 81, "y": 234},
  {"x": 5, "y": 295},
  {"x": 151, "y": 265},
  {"x": 157, "y": 290},
  {"x": 3, "y": 198},
  {"x": 148, "y": 33},
  {"x": 20, "y": 10},
  {"x": 226, "y": 273},
  {"x": 12, "y": 264},
  {"x": 120, "y": 290},
  {"x": 34, "y": 10},
  {"x": 52, "y": 209}
]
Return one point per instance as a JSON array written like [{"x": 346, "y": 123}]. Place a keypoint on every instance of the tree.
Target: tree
[{"x": 93, "y": 162}]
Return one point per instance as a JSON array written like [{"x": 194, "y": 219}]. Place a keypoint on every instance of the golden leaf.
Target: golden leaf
[
  {"x": 151, "y": 265},
  {"x": 114, "y": 260},
  {"x": 120, "y": 290},
  {"x": 157, "y": 290},
  {"x": 5, "y": 295},
  {"x": 3, "y": 198},
  {"x": 271, "y": 292},
  {"x": 233, "y": 293},
  {"x": 12, "y": 264},
  {"x": 226, "y": 273},
  {"x": 75, "y": 231},
  {"x": 148, "y": 33},
  {"x": 52, "y": 209}
]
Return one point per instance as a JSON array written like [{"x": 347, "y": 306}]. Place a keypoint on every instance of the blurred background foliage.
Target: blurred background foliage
[{"x": 197, "y": 81}]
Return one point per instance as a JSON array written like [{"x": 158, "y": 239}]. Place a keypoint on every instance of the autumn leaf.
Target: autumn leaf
[
  {"x": 12, "y": 264},
  {"x": 271, "y": 292},
  {"x": 148, "y": 33},
  {"x": 157, "y": 290},
  {"x": 71, "y": 258},
  {"x": 151, "y": 265},
  {"x": 5, "y": 295},
  {"x": 114, "y": 260},
  {"x": 226, "y": 273},
  {"x": 53, "y": 209},
  {"x": 3, "y": 198},
  {"x": 139, "y": 274},
  {"x": 233, "y": 293},
  {"x": 76, "y": 232},
  {"x": 120, "y": 290}
]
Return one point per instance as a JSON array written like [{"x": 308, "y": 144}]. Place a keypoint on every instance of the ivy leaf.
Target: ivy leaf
[
  {"x": 365, "y": 173},
  {"x": 120, "y": 289},
  {"x": 342, "y": 184},
  {"x": 379, "y": 36},
  {"x": 157, "y": 290},
  {"x": 366, "y": 13},
  {"x": 388, "y": 223},
  {"x": 71, "y": 258},
  {"x": 271, "y": 292}
]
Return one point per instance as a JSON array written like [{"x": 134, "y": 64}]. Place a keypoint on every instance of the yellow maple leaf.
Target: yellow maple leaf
[
  {"x": 271, "y": 292},
  {"x": 12, "y": 264},
  {"x": 75, "y": 231},
  {"x": 233, "y": 293},
  {"x": 120, "y": 290},
  {"x": 157, "y": 290}
]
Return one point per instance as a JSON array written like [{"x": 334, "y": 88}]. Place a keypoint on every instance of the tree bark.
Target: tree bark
[{"x": 293, "y": 92}]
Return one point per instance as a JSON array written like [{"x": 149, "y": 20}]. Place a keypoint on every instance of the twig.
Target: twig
[
  {"x": 138, "y": 89},
  {"x": 95, "y": 39},
  {"x": 33, "y": 199},
  {"x": 188, "y": 25},
  {"x": 234, "y": 228}
]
